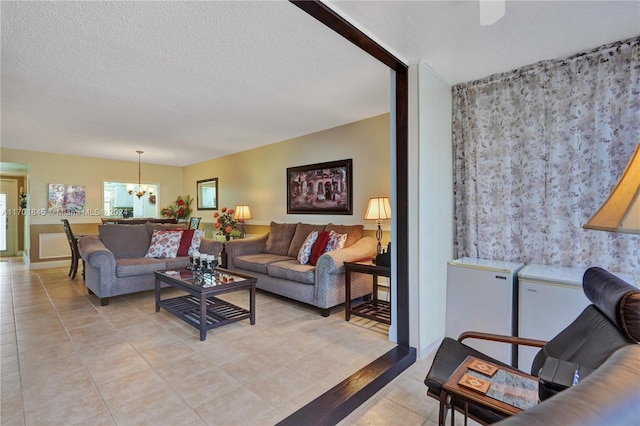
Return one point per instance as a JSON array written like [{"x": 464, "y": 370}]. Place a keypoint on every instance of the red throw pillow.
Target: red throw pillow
[
  {"x": 185, "y": 242},
  {"x": 318, "y": 247}
]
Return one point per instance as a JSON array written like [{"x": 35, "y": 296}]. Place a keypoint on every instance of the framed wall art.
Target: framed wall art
[
  {"x": 207, "y": 190},
  {"x": 323, "y": 188}
]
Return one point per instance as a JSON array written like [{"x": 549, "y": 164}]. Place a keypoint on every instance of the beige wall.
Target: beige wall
[
  {"x": 46, "y": 168},
  {"x": 258, "y": 177}
]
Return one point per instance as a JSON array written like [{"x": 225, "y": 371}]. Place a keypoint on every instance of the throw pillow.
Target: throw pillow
[
  {"x": 185, "y": 242},
  {"x": 198, "y": 235},
  {"x": 305, "y": 251},
  {"x": 164, "y": 244},
  {"x": 336, "y": 241},
  {"x": 318, "y": 247}
]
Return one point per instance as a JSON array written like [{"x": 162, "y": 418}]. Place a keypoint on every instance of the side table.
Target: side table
[
  {"x": 509, "y": 392},
  {"x": 374, "y": 309}
]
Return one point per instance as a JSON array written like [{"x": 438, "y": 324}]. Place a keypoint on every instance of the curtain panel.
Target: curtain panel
[{"x": 538, "y": 150}]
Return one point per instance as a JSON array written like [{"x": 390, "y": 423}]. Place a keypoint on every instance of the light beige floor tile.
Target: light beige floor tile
[
  {"x": 389, "y": 413},
  {"x": 83, "y": 406},
  {"x": 238, "y": 407},
  {"x": 176, "y": 371},
  {"x": 250, "y": 367},
  {"x": 205, "y": 387},
  {"x": 128, "y": 388},
  {"x": 280, "y": 386},
  {"x": 151, "y": 409}
]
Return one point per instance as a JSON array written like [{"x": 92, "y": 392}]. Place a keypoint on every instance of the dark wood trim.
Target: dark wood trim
[
  {"x": 346, "y": 29},
  {"x": 402, "y": 205},
  {"x": 337, "y": 403}
]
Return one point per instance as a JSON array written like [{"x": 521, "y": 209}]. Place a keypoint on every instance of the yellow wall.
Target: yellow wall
[{"x": 258, "y": 177}]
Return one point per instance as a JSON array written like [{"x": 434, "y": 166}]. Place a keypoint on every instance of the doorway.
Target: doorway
[{"x": 9, "y": 211}]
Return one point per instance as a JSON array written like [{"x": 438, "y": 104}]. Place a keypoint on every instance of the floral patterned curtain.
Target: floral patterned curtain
[{"x": 537, "y": 152}]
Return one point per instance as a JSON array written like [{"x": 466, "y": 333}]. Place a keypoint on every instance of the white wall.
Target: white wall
[{"x": 430, "y": 205}]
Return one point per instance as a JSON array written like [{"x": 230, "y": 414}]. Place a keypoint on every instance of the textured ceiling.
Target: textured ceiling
[{"x": 190, "y": 81}]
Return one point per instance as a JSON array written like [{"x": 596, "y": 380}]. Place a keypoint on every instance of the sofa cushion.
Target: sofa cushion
[
  {"x": 125, "y": 241},
  {"x": 138, "y": 266},
  {"x": 336, "y": 241},
  {"x": 302, "y": 232},
  {"x": 257, "y": 262},
  {"x": 177, "y": 262},
  {"x": 318, "y": 247},
  {"x": 164, "y": 244},
  {"x": 292, "y": 270},
  {"x": 354, "y": 232},
  {"x": 279, "y": 239},
  {"x": 304, "y": 254},
  {"x": 185, "y": 242}
]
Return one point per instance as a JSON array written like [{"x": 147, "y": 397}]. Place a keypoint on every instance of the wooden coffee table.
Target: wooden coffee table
[
  {"x": 200, "y": 308},
  {"x": 509, "y": 391}
]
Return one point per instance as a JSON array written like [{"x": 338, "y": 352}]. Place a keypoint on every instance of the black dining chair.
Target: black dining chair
[
  {"x": 194, "y": 222},
  {"x": 73, "y": 245}
]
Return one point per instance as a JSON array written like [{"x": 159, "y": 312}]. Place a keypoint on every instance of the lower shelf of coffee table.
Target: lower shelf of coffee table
[
  {"x": 218, "y": 312},
  {"x": 377, "y": 310}
]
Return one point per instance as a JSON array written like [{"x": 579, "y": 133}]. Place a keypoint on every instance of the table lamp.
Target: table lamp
[
  {"x": 379, "y": 209},
  {"x": 241, "y": 214}
]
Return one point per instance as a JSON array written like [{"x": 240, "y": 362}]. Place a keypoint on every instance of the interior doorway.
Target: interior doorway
[{"x": 9, "y": 211}]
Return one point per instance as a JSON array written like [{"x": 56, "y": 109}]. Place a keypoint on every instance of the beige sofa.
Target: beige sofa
[{"x": 272, "y": 258}]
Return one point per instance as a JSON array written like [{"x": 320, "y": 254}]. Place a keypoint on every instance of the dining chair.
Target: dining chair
[
  {"x": 194, "y": 222},
  {"x": 73, "y": 245}
]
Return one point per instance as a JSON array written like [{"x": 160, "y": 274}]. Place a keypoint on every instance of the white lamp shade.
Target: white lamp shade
[
  {"x": 621, "y": 211},
  {"x": 242, "y": 213},
  {"x": 379, "y": 208}
]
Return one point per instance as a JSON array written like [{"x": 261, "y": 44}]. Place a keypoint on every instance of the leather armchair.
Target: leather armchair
[{"x": 610, "y": 323}]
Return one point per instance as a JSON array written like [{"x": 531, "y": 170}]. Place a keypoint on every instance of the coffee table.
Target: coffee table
[
  {"x": 510, "y": 391},
  {"x": 200, "y": 308}
]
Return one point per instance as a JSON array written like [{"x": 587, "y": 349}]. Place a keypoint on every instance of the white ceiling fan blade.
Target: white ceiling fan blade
[{"x": 491, "y": 11}]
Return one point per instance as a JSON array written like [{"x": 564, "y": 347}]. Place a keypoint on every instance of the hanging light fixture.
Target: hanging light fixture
[{"x": 139, "y": 192}]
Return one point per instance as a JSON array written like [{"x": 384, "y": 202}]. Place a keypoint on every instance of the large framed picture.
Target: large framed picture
[
  {"x": 207, "y": 191},
  {"x": 323, "y": 188}
]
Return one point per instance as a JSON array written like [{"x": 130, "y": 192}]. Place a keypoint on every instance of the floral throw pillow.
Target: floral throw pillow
[
  {"x": 164, "y": 244},
  {"x": 336, "y": 241},
  {"x": 196, "y": 240},
  {"x": 304, "y": 254}
]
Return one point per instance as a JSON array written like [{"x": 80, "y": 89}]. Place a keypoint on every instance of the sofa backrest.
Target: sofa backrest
[
  {"x": 125, "y": 241},
  {"x": 285, "y": 239}
]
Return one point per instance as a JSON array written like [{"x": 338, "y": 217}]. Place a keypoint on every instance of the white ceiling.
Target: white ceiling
[{"x": 190, "y": 81}]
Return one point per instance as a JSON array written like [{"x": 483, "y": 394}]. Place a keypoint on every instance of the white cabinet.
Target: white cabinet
[{"x": 480, "y": 297}]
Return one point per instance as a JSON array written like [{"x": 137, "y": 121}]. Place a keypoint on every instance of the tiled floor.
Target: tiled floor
[{"x": 66, "y": 360}]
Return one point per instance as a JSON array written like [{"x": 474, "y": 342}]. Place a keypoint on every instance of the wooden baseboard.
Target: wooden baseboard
[{"x": 338, "y": 402}]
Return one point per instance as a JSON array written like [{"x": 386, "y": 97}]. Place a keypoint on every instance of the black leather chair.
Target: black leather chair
[
  {"x": 611, "y": 322},
  {"x": 73, "y": 245}
]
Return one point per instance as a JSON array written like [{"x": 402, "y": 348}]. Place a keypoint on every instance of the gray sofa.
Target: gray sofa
[
  {"x": 272, "y": 258},
  {"x": 115, "y": 262}
]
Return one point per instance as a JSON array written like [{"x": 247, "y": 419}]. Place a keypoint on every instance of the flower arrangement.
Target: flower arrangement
[
  {"x": 225, "y": 221},
  {"x": 180, "y": 209}
]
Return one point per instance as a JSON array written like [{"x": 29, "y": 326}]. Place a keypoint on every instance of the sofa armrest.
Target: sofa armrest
[
  {"x": 244, "y": 246},
  {"x": 210, "y": 246},
  {"x": 333, "y": 262},
  {"x": 95, "y": 253}
]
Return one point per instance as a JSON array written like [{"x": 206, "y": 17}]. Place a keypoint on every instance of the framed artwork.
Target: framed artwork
[
  {"x": 323, "y": 188},
  {"x": 66, "y": 199},
  {"x": 207, "y": 190}
]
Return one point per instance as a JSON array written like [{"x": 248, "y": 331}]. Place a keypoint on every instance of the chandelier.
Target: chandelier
[{"x": 140, "y": 192}]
